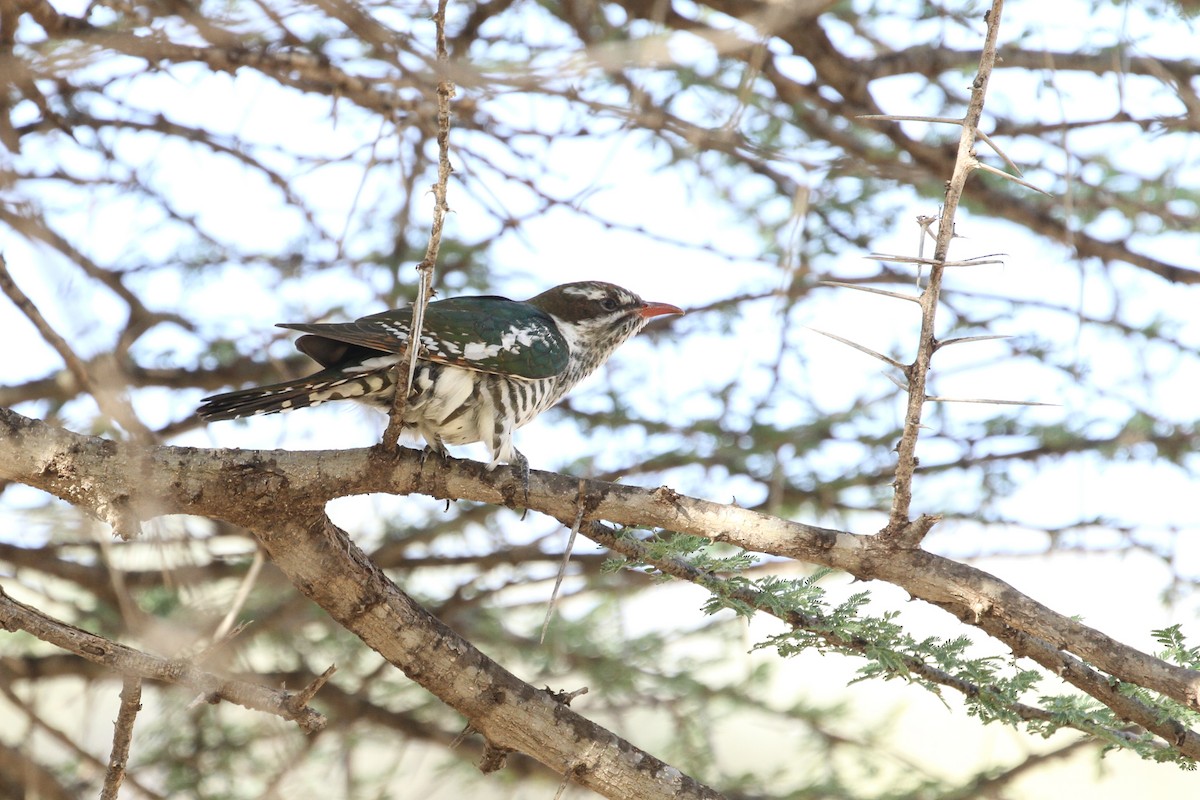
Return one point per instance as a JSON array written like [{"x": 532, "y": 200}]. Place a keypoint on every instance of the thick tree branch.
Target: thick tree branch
[
  {"x": 280, "y": 494},
  {"x": 327, "y": 567},
  {"x": 779, "y": 88},
  {"x": 1099, "y": 686},
  {"x": 330, "y": 569}
]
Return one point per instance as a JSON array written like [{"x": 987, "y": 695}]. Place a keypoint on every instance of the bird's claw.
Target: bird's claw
[
  {"x": 520, "y": 468},
  {"x": 430, "y": 450}
]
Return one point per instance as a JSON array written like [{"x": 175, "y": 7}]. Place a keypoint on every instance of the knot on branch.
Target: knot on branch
[{"x": 910, "y": 535}]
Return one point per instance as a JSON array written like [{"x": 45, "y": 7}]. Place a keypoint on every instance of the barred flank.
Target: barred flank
[{"x": 302, "y": 393}]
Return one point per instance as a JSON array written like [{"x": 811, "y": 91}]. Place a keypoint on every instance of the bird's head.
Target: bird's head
[{"x": 598, "y": 316}]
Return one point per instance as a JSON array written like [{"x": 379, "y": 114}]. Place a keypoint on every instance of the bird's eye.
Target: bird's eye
[{"x": 608, "y": 304}]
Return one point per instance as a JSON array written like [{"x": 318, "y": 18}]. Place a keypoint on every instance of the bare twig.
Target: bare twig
[
  {"x": 239, "y": 599},
  {"x": 933, "y": 398},
  {"x": 131, "y": 704},
  {"x": 899, "y": 526},
  {"x": 81, "y": 755},
  {"x": 15, "y": 615},
  {"x": 871, "y": 290},
  {"x": 215, "y": 644},
  {"x": 965, "y": 339},
  {"x": 903, "y": 385},
  {"x": 1008, "y": 177},
  {"x": 991, "y": 783},
  {"x": 305, "y": 695},
  {"x": 860, "y": 348},
  {"x": 978, "y": 261},
  {"x": 562, "y": 567},
  {"x": 114, "y": 405},
  {"x": 951, "y": 121},
  {"x": 406, "y": 370}
]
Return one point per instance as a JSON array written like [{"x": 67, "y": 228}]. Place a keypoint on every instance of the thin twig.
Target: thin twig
[
  {"x": 15, "y": 615},
  {"x": 1008, "y": 177},
  {"x": 80, "y": 755},
  {"x": 122, "y": 412},
  {"x": 991, "y": 784},
  {"x": 111, "y": 403},
  {"x": 965, "y": 339},
  {"x": 933, "y": 398},
  {"x": 899, "y": 526},
  {"x": 74, "y": 363},
  {"x": 871, "y": 290},
  {"x": 131, "y": 704},
  {"x": 562, "y": 568},
  {"x": 305, "y": 695},
  {"x": 860, "y": 348},
  {"x": 950, "y": 121},
  {"x": 977, "y": 261},
  {"x": 215, "y": 644},
  {"x": 239, "y": 599},
  {"x": 406, "y": 369}
]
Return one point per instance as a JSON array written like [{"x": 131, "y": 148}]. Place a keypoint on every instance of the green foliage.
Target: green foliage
[
  {"x": 993, "y": 688},
  {"x": 1175, "y": 647},
  {"x": 696, "y": 552}
]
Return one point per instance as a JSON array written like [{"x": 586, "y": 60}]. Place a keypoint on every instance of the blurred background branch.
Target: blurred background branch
[{"x": 179, "y": 177}]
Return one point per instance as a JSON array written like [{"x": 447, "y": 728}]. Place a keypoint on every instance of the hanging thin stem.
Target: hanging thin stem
[{"x": 407, "y": 368}]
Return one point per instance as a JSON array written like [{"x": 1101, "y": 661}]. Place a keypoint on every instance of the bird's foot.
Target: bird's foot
[
  {"x": 395, "y": 450},
  {"x": 430, "y": 450},
  {"x": 520, "y": 470}
]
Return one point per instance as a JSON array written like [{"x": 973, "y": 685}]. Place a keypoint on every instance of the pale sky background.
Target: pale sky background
[{"x": 1112, "y": 593}]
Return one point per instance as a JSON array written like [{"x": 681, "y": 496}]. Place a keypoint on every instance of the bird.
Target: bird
[{"x": 486, "y": 365}]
